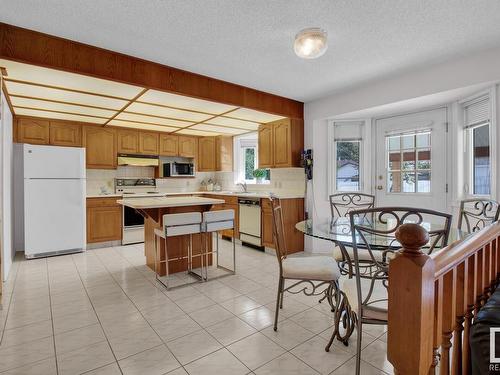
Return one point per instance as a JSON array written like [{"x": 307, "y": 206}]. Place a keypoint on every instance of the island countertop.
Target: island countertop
[{"x": 165, "y": 202}]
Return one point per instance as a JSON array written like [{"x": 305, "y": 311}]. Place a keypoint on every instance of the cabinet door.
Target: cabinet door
[
  {"x": 104, "y": 224},
  {"x": 169, "y": 145},
  {"x": 224, "y": 154},
  {"x": 282, "y": 144},
  {"x": 65, "y": 134},
  {"x": 128, "y": 141},
  {"x": 266, "y": 146},
  {"x": 100, "y": 144},
  {"x": 267, "y": 228},
  {"x": 33, "y": 131},
  {"x": 148, "y": 143},
  {"x": 206, "y": 154},
  {"x": 187, "y": 146}
]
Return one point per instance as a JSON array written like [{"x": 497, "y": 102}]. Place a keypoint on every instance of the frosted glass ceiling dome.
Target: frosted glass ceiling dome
[{"x": 310, "y": 43}]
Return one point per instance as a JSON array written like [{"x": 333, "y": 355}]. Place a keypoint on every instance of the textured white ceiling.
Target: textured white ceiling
[{"x": 250, "y": 42}]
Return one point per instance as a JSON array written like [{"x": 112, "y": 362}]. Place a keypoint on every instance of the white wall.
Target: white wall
[
  {"x": 6, "y": 164},
  {"x": 454, "y": 74}
]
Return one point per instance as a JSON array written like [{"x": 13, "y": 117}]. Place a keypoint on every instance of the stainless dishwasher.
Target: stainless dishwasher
[{"x": 249, "y": 216}]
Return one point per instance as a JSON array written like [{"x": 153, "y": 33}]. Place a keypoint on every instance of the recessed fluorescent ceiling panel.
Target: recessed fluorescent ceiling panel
[
  {"x": 141, "y": 126},
  {"x": 152, "y": 120},
  {"x": 218, "y": 129},
  {"x": 196, "y": 132},
  {"x": 167, "y": 112},
  {"x": 178, "y": 101},
  {"x": 31, "y": 73},
  {"x": 225, "y": 121},
  {"x": 60, "y": 107},
  {"x": 21, "y": 89},
  {"x": 58, "y": 116},
  {"x": 251, "y": 115}
]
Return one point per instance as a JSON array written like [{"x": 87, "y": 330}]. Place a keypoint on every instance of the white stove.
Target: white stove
[{"x": 133, "y": 222}]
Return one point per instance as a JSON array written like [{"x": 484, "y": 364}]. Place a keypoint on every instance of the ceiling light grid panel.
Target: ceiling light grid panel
[{"x": 42, "y": 92}]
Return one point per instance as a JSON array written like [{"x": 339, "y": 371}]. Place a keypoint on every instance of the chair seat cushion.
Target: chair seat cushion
[
  {"x": 322, "y": 268},
  {"x": 376, "y": 312}
]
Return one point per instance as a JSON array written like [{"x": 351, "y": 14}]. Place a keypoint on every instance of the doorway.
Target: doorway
[{"x": 411, "y": 160}]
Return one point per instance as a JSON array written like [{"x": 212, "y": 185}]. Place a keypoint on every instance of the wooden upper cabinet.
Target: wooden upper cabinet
[
  {"x": 266, "y": 146},
  {"x": 128, "y": 141},
  {"x": 169, "y": 145},
  {"x": 100, "y": 146},
  {"x": 280, "y": 143},
  {"x": 148, "y": 143},
  {"x": 282, "y": 150},
  {"x": 65, "y": 134},
  {"x": 206, "y": 154},
  {"x": 187, "y": 146},
  {"x": 33, "y": 131},
  {"x": 224, "y": 153}
]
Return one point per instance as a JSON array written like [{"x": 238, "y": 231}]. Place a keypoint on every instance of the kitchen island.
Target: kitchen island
[{"x": 153, "y": 209}]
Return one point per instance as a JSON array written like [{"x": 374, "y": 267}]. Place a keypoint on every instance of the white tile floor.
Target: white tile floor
[{"x": 101, "y": 312}]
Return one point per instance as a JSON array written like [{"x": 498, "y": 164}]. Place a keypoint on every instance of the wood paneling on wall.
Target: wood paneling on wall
[{"x": 32, "y": 47}]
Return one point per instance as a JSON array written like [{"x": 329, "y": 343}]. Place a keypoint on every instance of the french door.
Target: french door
[{"x": 411, "y": 160}]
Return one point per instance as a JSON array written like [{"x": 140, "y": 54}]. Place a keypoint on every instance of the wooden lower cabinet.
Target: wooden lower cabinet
[
  {"x": 293, "y": 212},
  {"x": 267, "y": 223},
  {"x": 104, "y": 220}
]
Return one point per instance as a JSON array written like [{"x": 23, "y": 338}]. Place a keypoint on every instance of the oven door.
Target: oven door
[
  {"x": 133, "y": 226},
  {"x": 131, "y": 218}
]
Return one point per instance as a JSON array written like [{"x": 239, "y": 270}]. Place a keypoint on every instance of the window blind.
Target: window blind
[
  {"x": 348, "y": 131},
  {"x": 477, "y": 112}
]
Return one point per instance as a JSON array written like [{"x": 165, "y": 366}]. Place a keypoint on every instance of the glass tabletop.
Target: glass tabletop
[{"x": 338, "y": 230}]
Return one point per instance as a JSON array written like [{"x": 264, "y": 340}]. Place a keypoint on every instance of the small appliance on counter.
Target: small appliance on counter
[
  {"x": 49, "y": 200},
  {"x": 177, "y": 167}
]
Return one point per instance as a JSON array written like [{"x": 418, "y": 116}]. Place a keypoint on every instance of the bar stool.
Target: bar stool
[
  {"x": 188, "y": 223},
  {"x": 214, "y": 221}
]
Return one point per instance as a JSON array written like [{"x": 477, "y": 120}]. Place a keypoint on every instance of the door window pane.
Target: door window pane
[
  {"x": 481, "y": 168},
  {"x": 347, "y": 166},
  {"x": 409, "y": 163}
]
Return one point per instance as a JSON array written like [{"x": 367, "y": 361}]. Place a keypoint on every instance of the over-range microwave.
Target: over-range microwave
[{"x": 175, "y": 169}]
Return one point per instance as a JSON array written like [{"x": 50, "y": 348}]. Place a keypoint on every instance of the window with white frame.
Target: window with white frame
[
  {"x": 347, "y": 158},
  {"x": 477, "y": 128},
  {"x": 409, "y": 162},
  {"x": 246, "y": 160}
]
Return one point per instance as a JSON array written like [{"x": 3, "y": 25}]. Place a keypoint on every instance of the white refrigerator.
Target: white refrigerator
[{"x": 50, "y": 209}]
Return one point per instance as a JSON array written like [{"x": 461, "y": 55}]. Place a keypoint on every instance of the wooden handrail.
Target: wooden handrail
[{"x": 433, "y": 298}]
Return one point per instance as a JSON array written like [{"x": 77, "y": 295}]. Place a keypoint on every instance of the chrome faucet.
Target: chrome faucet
[{"x": 243, "y": 186}]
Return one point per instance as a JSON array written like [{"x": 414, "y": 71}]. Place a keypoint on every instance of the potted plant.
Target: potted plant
[{"x": 259, "y": 175}]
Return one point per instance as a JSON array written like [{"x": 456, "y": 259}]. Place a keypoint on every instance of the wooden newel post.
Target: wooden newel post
[{"x": 411, "y": 304}]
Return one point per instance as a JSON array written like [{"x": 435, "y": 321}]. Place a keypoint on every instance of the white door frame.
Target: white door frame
[{"x": 376, "y": 139}]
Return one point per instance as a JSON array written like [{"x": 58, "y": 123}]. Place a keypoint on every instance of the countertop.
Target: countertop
[
  {"x": 259, "y": 194},
  {"x": 165, "y": 202}
]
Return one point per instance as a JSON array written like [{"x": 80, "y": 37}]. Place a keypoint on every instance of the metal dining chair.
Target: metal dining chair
[
  {"x": 366, "y": 292},
  {"x": 476, "y": 213},
  {"x": 341, "y": 205},
  {"x": 314, "y": 276}
]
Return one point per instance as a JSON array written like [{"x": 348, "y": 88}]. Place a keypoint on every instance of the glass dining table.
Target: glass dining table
[
  {"x": 381, "y": 241},
  {"x": 338, "y": 230}
]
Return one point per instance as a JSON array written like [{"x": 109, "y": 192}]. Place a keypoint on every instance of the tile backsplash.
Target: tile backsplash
[
  {"x": 291, "y": 180},
  {"x": 282, "y": 179}
]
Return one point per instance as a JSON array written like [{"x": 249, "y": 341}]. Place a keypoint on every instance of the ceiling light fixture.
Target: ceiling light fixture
[{"x": 310, "y": 43}]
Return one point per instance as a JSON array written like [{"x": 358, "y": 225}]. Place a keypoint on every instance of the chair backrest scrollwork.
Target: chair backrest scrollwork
[
  {"x": 476, "y": 213},
  {"x": 343, "y": 203}
]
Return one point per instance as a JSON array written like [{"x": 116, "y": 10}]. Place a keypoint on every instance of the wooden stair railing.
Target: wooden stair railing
[{"x": 434, "y": 298}]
